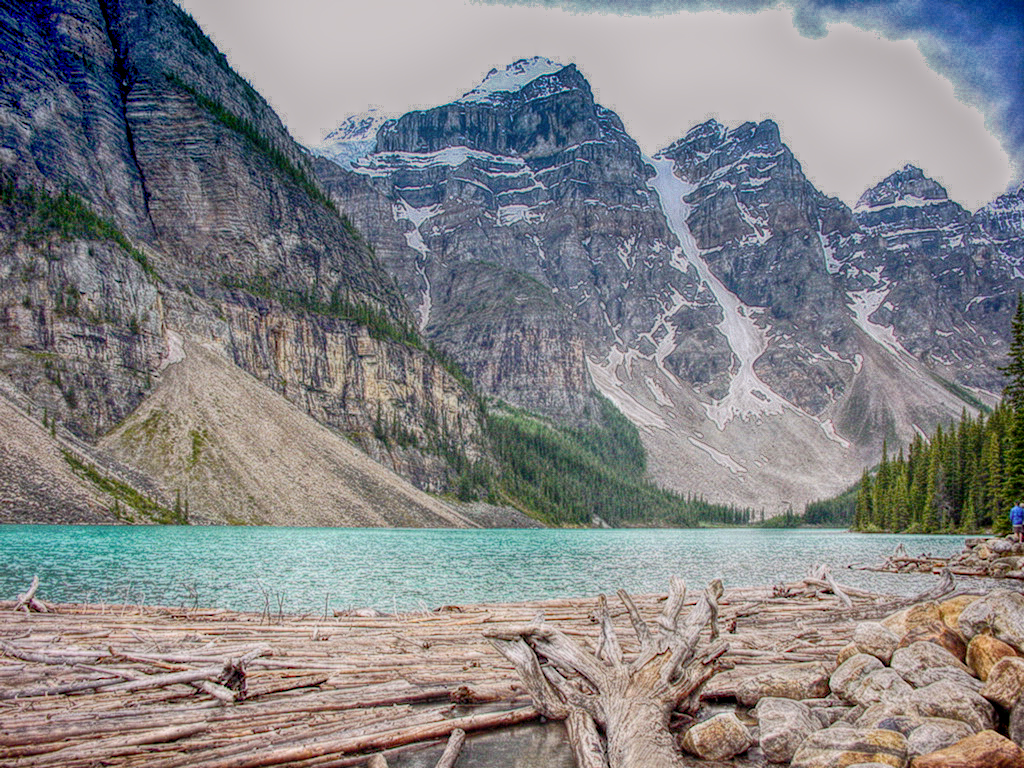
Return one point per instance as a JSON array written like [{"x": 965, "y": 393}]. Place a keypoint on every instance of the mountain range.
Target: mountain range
[
  {"x": 765, "y": 338},
  {"x": 201, "y": 319}
]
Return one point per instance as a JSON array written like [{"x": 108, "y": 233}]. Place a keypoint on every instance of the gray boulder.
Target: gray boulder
[
  {"x": 879, "y": 685},
  {"x": 841, "y": 746},
  {"x": 935, "y": 733},
  {"x": 1005, "y": 682},
  {"x": 718, "y": 738},
  {"x": 949, "y": 700},
  {"x": 876, "y": 639},
  {"x": 784, "y": 724},
  {"x": 851, "y": 671},
  {"x": 1016, "y": 727},
  {"x": 1001, "y": 612},
  {"x": 923, "y": 663}
]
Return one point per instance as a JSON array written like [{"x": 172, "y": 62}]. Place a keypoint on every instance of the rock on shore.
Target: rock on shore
[{"x": 935, "y": 684}]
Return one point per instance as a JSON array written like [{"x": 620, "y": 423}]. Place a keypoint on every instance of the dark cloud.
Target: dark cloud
[{"x": 978, "y": 45}]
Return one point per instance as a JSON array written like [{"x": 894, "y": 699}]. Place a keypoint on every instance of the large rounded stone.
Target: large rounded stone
[
  {"x": 1000, "y": 546},
  {"x": 841, "y": 746},
  {"x": 950, "y": 610},
  {"x": 935, "y": 733},
  {"x": 1001, "y": 613},
  {"x": 1016, "y": 726},
  {"x": 851, "y": 671},
  {"x": 984, "y": 651},
  {"x": 879, "y": 685},
  {"x": 949, "y": 700},
  {"x": 986, "y": 749},
  {"x": 1005, "y": 682},
  {"x": 889, "y": 716},
  {"x": 941, "y": 635},
  {"x": 717, "y": 738},
  {"x": 791, "y": 681},
  {"x": 903, "y": 621},
  {"x": 875, "y": 638},
  {"x": 848, "y": 651},
  {"x": 783, "y": 724},
  {"x": 923, "y": 663}
]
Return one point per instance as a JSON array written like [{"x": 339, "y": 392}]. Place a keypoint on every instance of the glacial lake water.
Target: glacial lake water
[{"x": 305, "y": 570}]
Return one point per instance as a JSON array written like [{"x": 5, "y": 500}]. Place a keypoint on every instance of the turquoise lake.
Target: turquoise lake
[{"x": 302, "y": 570}]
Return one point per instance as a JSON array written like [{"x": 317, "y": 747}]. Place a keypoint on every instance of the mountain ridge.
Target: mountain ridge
[
  {"x": 814, "y": 281},
  {"x": 762, "y": 337}
]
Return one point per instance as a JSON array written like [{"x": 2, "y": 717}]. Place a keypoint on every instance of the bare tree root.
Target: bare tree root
[{"x": 617, "y": 712}]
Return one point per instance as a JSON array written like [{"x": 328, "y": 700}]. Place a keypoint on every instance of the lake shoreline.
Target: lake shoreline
[{"x": 341, "y": 686}]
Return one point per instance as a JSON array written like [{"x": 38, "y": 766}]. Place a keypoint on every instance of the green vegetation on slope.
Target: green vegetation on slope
[
  {"x": 39, "y": 216},
  {"x": 566, "y": 476},
  {"x": 833, "y": 513},
  {"x": 961, "y": 480},
  {"x": 277, "y": 158},
  {"x": 123, "y": 494}
]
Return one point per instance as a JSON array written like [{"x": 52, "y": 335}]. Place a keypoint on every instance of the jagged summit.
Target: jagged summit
[
  {"x": 361, "y": 126},
  {"x": 512, "y": 78},
  {"x": 1008, "y": 206},
  {"x": 906, "y": 187},
  {"x": 711, "y": 134},
  {"x": 354, "y": 138},
  {"x": 1002, "y": 221}
]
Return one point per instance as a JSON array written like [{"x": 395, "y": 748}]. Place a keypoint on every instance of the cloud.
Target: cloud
[{"x": 977, "y": 45}]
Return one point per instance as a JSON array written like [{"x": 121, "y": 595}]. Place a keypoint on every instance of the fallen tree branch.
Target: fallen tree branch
[{"x": 27, "y": 600}]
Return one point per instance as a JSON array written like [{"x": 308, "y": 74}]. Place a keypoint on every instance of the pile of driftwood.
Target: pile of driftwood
[
  {"x": 985, "y": 557},
  {"x": 900, "y": 561},
  {"x": 82, "y": 685}
]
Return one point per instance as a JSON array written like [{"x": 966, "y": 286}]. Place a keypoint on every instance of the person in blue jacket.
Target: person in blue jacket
[{"x": 1017, "y": 521}]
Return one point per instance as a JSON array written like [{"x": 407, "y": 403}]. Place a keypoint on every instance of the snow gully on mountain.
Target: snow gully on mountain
[{"x": 748, "y": 395}]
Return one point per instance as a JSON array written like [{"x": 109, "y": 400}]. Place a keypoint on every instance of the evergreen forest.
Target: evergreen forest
[
  {"x": 567, "y": 477},
  {"x": 964, "y": 479}
]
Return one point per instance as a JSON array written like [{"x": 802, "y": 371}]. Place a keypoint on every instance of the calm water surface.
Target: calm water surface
[{"x": 308, "y": 569}]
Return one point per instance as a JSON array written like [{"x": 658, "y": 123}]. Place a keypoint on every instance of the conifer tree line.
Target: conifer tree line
[{"x": 964, "y": 479}]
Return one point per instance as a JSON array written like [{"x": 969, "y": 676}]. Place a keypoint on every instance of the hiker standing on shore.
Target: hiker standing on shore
[{"x": 1017, "y": 521}]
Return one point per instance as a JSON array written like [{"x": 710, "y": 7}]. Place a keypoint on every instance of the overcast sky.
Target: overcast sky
[{"x": 852, "y": 105}]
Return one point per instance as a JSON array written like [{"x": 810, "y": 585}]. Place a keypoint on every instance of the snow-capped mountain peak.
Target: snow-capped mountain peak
[
  {"x": 512, "y": 78},
  {"x": 354, "y": 138},
  {"x": 906, "y": 187}
]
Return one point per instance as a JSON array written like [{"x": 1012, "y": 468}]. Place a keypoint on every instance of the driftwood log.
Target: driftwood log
[
  {"x": 617, "y": 712},
  {"x": 27, "y": 600},
  {"x": 332, "y": 692}
]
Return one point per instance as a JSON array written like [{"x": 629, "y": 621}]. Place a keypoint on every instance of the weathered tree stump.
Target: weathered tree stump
[{"x": 617, "y": 712}]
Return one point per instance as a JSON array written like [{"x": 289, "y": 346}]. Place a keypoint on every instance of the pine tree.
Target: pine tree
[
  {"x": 1013, "y": 395},
  {"x": 862, "y": 513},
  {"x": 1013, "y": 392}
]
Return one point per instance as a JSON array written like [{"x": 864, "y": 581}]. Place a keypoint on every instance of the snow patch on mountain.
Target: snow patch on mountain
[
  {"x": 748, "y": 396},
  {"x": 908, "y": 201},
  {"x": 513, "y": 78},
  {"x": 353, "y": 139},
  {"x": 865, "y": 303},
  {"x": 605, "y": 376},
  {"x": 722, "y": 459},
  {"x": 417, "y": 216},
  {"x": 386, "y": 163},
  {"x": 511, "y": 214}
]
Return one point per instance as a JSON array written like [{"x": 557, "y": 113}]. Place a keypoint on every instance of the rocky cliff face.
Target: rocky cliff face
[
  {"x": 764, "y": 337},
  {"x": 1002, "y": 223},
  {"x": 149, "y": 189},
  {"x": 521, "y": 227}
]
